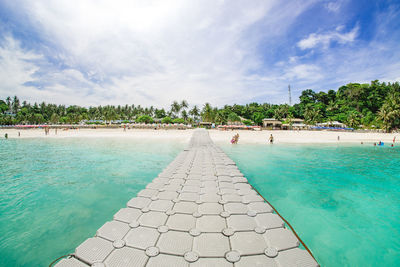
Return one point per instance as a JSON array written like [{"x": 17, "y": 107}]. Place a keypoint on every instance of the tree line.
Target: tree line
[{"x": 371, "y": 105}]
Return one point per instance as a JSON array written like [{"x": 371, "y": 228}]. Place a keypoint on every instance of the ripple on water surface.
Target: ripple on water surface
[
  {"x": 343, "y": 201},
  {"x": 55, "y": 193}
]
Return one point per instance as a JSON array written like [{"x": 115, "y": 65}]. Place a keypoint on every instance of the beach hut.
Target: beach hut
[
  {"x": 272, "y": 123},
  {"x": 300, "y": 126},
  {"x": 285, "y": 126},
  {"x": 206, "y": 124}
]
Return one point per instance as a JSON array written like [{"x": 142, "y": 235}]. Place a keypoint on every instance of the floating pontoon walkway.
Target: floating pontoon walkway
[{"x": 200, "y": 211}]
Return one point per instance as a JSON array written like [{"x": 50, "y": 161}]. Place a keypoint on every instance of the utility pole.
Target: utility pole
[{"x": 290, "y": 96}]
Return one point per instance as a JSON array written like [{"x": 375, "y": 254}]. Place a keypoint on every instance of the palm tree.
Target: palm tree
[
  {"x": 390, "y": 111},
  {"x": 15, "y": 104},
  {"x": 207, "y": 113},
  {"x": 353, "y": 119},
  {"x": 281, "y": 112},
  {"x": 184, "y": 115},
  {"x": 109, "y": 114},
  {"x": 175, "y": 109},
  {"x": 194, "y": 112},
  {"x": 219, "y": 117},
  {"x": 8, "y": 102},
  {"x": 184, "y": 104},
  {"x": 54, "y": 118},
  {"x": 312, "y": 115}
]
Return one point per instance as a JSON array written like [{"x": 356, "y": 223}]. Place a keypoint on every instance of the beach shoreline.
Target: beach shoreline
[{"x": 219, "y": 137}]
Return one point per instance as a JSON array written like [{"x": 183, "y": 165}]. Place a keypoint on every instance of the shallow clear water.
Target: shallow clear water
[
  {"x": 55, "y": 193},
  {"x": 343, "y": 201}
]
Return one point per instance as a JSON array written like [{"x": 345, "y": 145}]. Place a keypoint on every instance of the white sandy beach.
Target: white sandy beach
[{"x": 246, "y": 137}]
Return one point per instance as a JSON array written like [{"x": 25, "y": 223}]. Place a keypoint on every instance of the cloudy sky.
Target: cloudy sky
[{"x": 92, "y": 52}]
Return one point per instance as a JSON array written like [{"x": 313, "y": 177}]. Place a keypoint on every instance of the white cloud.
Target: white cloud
[
  {"x": 334, "y": 6},
  {"x": 304, "y": 72},
  {"x": 314, "y": 39},
  {"x": 152, "y": 52},
  {"x": 16, "y": 66},
  {"x": 18, "y": 73}
]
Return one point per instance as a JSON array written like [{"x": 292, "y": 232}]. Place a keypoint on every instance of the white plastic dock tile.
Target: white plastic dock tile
[
  {"x": 281, "y": 239},
  {"x": 139, "y": 202},
  {"x": 153, "y": 219},
  {"x": 269, "y": 220},
  {"x": 127, "y": 215},
  {"x": 126, "y": 257},
  {"x": 210, "y": 197},
  {"x": 260, "y": 207},
  {"x": 236, "y": 208},
  {"x": 248, "y": 243},
  {"x": 141, "y": 237},
  {"x": 202, "y": 245},
  {"x": 211, "y": 223},
  {"x": 232, "y": 198},
  {"x": 241, "y": 222},
  {"x": 210, "y": 208},
  {"x": 167, "y": 195},
  {"x": 161, "y": 205},
  {"x": 147, "y": 193},
  {"x": 113, "y": 230},
  {"x": 174, "y": 242},
  {"x": 183, "y": 222},
  {"x": 94, "y": 250},
  {"x": 186, "y": 207},
  {"x": 295, "y": 257}
]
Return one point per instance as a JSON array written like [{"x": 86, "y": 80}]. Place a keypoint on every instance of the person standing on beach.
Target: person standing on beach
[
  {"x": 235, "y": 139},
  {"x": 6, "y": 136},
  {"x": 271, "y": 139},
  {"x": 338, "y": 138},
  {"x": 19, "y": 134}
]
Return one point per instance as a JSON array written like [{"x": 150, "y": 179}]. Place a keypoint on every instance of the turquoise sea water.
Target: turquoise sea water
[
  {"x": 343, "y": 200},
  {"x": 55, "y": 193}
]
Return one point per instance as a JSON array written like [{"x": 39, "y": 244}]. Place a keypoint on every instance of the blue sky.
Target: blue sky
[{"x": 222, "y": 52}]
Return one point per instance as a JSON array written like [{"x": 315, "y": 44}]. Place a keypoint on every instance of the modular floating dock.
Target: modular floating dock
[{"x": 199, "y": 211}]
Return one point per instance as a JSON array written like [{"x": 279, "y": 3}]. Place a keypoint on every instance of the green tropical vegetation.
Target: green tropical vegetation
[{"x": 370, "y": 105}]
